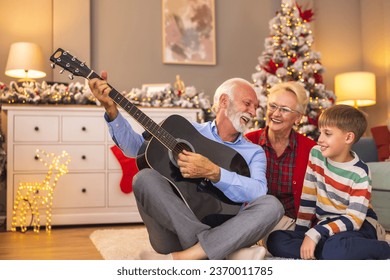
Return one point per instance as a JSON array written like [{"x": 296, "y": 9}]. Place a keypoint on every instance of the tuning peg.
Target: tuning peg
[
  {"x": 70, "y": 76},
  {"x": 73, "y": 58},
  {"x": 62, "y": 71},
  {"x": 82, "y": 64},
  {"x": 52, "y": 65}
]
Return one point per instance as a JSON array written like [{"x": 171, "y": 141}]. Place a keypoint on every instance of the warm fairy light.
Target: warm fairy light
[{"x": 33, "y": 196}]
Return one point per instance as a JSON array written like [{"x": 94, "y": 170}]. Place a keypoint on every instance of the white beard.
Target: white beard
[{"x": 235, "y": 117}]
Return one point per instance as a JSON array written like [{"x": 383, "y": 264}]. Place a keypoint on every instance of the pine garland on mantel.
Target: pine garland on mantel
[{"x": 78, "y": 93}]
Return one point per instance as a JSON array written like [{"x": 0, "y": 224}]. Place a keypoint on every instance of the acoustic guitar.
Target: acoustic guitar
[{"x": 167, "y": 140}]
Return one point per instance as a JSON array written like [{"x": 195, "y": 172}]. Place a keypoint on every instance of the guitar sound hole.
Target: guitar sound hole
[{"x": 180, "y": 146}]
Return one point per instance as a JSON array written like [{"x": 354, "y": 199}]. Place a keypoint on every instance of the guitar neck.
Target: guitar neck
[{"x": 147, "y": 123}]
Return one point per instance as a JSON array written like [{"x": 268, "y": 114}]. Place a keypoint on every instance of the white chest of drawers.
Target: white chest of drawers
[{"x": 90, "y": 192}]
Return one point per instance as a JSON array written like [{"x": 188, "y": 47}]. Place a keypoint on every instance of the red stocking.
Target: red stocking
[{"x": 129, "y": 169}]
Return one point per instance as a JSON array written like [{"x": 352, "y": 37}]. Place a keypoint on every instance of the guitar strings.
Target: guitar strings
[
  {"x": 165, "y": 138},
  {"x": 180, "y": 147}
]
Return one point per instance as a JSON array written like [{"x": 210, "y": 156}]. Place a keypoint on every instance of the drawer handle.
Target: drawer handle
[
  {"x": 83, "y": 190},
  {"x": 36, "y": 128},
  {"x": 84, "y": 128},
  {"x": 83, "y": 157}
]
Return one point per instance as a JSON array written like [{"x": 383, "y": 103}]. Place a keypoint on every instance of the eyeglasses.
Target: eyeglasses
[{"x": 283, "y": 110}]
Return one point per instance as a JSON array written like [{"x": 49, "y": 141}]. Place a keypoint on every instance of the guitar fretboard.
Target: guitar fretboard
[
  {"x": 147, "y": 123},
  {"x": 78, "y": 68}
]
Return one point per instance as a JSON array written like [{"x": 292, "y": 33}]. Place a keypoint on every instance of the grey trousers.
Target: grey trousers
[{"x": 173, "y": 227}]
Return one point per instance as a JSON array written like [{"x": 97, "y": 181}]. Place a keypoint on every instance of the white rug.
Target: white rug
[
  {"x": 126, "y": 244},
  {"x": 121, "y": 244}
]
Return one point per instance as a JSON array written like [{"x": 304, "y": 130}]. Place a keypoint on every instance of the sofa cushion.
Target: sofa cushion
[
  {"x": 366, "y": 149},
  {"x": 380, "y": 175},
  {"x": 381, "y": 191},
  {"x": 381, "y": 137}
]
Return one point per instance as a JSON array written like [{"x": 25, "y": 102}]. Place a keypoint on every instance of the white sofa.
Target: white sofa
[{"x": 367, "y": 151}]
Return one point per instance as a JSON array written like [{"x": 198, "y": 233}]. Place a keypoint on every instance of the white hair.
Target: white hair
[{"x": 227, "y": 87}]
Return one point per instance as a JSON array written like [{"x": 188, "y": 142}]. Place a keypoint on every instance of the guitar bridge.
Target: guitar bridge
[{"x": 203, "y": 185}]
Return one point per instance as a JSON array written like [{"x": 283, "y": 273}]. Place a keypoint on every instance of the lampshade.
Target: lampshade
[
  {"x": 356, "y": 89},
  {"x": 25, "y": 61}
]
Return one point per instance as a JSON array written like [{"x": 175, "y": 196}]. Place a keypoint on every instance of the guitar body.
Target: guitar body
[{"x": 199, "y": 195}]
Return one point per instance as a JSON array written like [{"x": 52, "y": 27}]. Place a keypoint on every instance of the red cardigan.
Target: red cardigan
[{"x": 304, "y": 145}]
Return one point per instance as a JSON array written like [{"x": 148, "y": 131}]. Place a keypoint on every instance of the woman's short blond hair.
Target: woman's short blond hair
[{"x": 296, "y": 88}]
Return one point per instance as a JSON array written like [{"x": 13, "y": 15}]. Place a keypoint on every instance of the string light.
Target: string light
[{"x": 33, "y": 196}]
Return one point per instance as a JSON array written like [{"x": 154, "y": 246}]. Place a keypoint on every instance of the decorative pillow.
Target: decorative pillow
[{"x": 381, "y": 137}]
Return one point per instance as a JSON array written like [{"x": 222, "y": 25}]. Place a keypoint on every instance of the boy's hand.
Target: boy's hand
[{"x": 307, "y": 249}]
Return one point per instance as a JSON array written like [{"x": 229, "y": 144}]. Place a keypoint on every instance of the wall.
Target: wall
[
  {"x": 25, "y": 20},
  {"x": 50, "y": 24},
  {"x": 352, "y": 35},
  {"x": 72, "y": 31},
  {"x": 133, "y": 53},
  {"x": 124, "y": 38},
  {"x": 376, "y": 53},
  {"x": 338, "y": 36}
]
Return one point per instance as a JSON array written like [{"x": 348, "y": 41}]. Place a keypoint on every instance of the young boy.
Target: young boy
[{"x": 335, "y": 217}]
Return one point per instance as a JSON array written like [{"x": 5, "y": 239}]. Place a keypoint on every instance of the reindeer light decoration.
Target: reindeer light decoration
[{"x": 33, "y": 196}]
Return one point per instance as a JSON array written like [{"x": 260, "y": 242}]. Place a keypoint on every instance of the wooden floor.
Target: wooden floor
[{"x": 63, "y": 243}]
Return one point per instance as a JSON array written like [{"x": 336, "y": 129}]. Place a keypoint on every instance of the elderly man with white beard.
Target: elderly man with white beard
[{"x": 224, "y": 215}]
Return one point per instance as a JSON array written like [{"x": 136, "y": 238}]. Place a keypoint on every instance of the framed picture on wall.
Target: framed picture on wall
[{"x": 188, "y": 31}]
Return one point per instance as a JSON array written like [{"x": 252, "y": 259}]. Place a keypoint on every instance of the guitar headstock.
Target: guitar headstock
[{"x": 70, "y": 63}]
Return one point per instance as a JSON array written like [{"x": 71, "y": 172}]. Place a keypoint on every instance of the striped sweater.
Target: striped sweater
[{"x": 335, "y": 197}]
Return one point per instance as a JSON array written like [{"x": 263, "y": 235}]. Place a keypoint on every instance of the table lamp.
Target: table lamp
[
  {"x": 356, "y": 89},
  {"x": 25, "y": 61}
]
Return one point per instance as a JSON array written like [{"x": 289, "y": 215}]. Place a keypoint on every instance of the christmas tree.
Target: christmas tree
[{"x": 288, "y": 57}]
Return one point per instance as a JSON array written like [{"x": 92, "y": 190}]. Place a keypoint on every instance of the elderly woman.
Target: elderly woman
[{"x": 286, "y": 150}]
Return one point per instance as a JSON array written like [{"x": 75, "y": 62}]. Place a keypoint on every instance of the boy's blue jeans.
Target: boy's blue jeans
[{"x": 349, "y": 245}]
